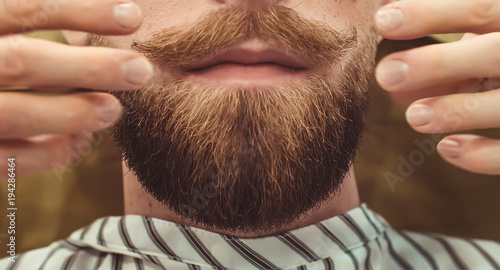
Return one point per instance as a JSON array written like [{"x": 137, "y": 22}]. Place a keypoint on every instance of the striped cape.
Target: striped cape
[{"x": 358, "y": 239}]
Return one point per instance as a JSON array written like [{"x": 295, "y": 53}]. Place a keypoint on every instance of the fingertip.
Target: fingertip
[
  {"x": 449, "y": 148},
  {"x": 389, "y": 19},
  {"x": 472, "y": 153},
  {"x": 391, "y": 72},
  {"x": 114, "y": 17},
  {"x": 109, "y": 111},
  {"x": 128, "y": 15},
  {"x": 137, "y": 71},
  {"x": 75, "y": 38},
  {"x": 419, "y": 115}
]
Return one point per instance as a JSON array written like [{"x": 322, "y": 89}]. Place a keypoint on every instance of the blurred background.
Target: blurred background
[{"x": 426, "y": 195}]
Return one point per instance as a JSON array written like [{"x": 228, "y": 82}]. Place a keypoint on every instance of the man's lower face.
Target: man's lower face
[{"x": 235, "y": 152}]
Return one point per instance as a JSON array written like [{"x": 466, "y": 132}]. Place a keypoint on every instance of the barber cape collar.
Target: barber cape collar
[{"x": 161, "y": 242}]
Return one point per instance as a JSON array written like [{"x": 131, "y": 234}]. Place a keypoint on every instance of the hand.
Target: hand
[
  {"x": 439, "y": 79},
  {"x": 39, "y": 129}
]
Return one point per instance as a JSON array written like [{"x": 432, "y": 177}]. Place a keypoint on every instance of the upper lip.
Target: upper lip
[{"x": 249, "y": 56}]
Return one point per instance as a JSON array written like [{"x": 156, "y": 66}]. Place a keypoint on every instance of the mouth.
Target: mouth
[{"x": 249, "y": 64}]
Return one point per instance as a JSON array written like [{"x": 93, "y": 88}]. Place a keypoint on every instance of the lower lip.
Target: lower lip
[{"x": 255, "y": 75}]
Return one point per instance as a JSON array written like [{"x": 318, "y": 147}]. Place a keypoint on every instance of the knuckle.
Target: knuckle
[
  {"x": 435, "y": 57},
  {"x": 21, "y": 12},
  {"x": 494, "y": 44},
  {"x": 483, "y": 11},
  {"x": 13, "y": 61},
  {"x": 73, "y": 121},
  {"x": 93, "y": 71},
  {"x": 25, "y": 8},
  {"x": 81, "y": 116}
]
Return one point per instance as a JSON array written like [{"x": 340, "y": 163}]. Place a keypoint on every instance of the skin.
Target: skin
[
  {"x": 438, "y": 74},
  {"x": 339, "y": 15},
  {"x": 24, "y": 117},
  {"x": 138, "y": 202},
  {"x": 42, "y": 115}
]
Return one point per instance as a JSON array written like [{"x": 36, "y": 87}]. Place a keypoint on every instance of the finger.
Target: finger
[
  {"x": 44, "y": 152},
  {"x": 418, "y": 18},
  {"x": 100, "y": 17},
  {"x": 24, "y": 61},
  {"x": 472, "y": 153},
  {"x": 441, "y": 63},
  {"x": 455, "y": 112},
  {"x": 488, "y": 84},
  {"x": 23, "y": 115},
  {"x": 468, "y": 36},
  {"x": 409, "y": 96},
  {"x": 75, "y": 38}
]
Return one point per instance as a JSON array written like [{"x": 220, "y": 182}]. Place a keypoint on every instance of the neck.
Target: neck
[{"x": 139, "y": 202}]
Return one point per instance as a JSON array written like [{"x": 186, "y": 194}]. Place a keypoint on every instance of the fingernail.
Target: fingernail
[
  {"x": 392, "y": 72},
  {"x": 137, "y": 71},
  {"x": 419, "y": 115},
  {"x": 389, "y": 19},
  {"x": 109, "y": 110},
  {"x": 128, "y": 15},
  {"x": 449, "y": 148}
]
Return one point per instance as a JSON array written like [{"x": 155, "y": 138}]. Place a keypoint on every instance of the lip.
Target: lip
[
  {"x": 251, "y": 63},
  {"x": 245, "y": 56}
]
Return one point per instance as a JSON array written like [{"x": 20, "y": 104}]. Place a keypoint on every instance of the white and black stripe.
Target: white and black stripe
[
  {"x": 84, "y": 231},
  {"x": 486, "y": 255},
  {"x": 451, "y": 252},
  {"x": 68, "y": 263},
  {"x": 372, "y": 223},
  {"x": 339, "y": 243},
  {"x": 128, "y": 243},
  {"x": 158, "y": 241},
  {"x": 397, "y": 258},
  {"x": 138, "y": 264},
  {"x": 51, "y": 255},
  {"x": 199, "y": 247},
  {"x": 420, "y": 249},
  {"x": 116, "y": 262},
  {"x": 101, "y": 257},
  {"x": 100, "y": 236},
  {"x": 361, "y": 235},
  {"x": 249, "y": 254},
  {"x": 329, "y": 264},
  {"x": 334, "y": 243},
  {"x": 298, "y": 246},
  {"x": 193, "y": 267},
  {"x": 13, "y": 265}
]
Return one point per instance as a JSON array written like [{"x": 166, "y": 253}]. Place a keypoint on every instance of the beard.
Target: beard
[{"x": 239, "y": 158}]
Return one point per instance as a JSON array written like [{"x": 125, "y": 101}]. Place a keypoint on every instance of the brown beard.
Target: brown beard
[{"x": 246, "y": 159}]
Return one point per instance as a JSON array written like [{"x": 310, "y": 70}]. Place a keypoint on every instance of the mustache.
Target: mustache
[{"x": 276, "y": 25}]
